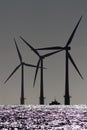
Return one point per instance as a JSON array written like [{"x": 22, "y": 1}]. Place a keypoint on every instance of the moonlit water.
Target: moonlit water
[{"x": 43, "y": 117}]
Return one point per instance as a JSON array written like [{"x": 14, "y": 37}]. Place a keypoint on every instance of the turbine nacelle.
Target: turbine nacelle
[{"x": 67, "y": 48}]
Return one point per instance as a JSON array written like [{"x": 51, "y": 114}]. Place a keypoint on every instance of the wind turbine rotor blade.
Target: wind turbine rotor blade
[
  {"x": 72, "y": 61},
  {"x": 19, "y": 54},
  {"x": 50, "y": 48},
  {"x": 36, "y": 72},
  {"x": 30, "y": 65},
  {"x": 30, "y": 46},
  {"x": 49, "y": 54},
  {"x": 12, "y": 73},
  {"x": 72, "y": 35}
]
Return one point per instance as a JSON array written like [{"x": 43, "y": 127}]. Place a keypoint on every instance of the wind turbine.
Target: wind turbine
[
  {"x": 68, "y": 57},
  {"x": 40, "y": 61},
  {"x": 22, "y": 64}
]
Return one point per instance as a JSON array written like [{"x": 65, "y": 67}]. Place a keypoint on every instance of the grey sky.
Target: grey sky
[{"x": 45, "y": 23}]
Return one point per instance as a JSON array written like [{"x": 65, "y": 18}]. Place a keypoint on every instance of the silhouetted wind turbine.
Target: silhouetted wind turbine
[
  {"x": 40, "y": 61},
  {"x": 22, "y": 64},
  {"x": 68, "y": 57}
]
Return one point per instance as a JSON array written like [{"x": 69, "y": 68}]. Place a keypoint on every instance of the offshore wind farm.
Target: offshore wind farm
[
  {"x": 42, "y": 25},
  {"x": 43, "y": 59},
  {"x": 40, "y": 62}
]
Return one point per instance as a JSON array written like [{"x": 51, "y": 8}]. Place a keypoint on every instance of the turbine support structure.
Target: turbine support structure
[
  {"x": 41, "y": 85},
  {"x": 67, "y": 97},
  {"x": 22, "y": 86}
]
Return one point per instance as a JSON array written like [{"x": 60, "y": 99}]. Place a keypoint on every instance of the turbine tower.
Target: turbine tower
[
  {"x": 22, "y": 64},
  {"x": 40, "y": 61},
  {"x": 68, "y": 57}
]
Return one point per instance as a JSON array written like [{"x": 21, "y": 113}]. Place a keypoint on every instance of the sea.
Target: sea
[{"x": 43, "y": 117}]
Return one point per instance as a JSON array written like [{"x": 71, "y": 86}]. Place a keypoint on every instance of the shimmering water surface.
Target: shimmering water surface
[{"x": 43, "y": 117}]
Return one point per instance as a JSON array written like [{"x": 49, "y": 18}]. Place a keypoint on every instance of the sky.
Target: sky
[{"x": 43, "y": 23}]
